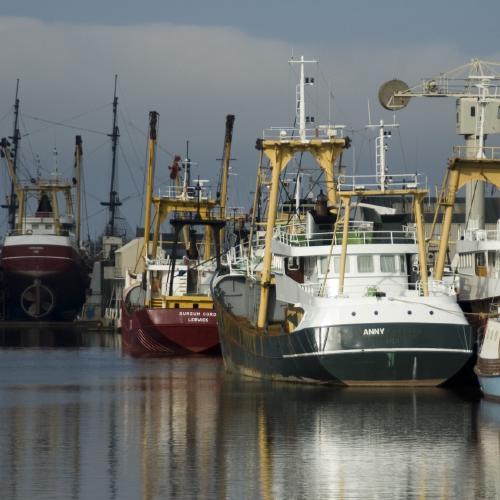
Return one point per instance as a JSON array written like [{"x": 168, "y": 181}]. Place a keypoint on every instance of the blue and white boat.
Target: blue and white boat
[{"x": 488, "y": 364}]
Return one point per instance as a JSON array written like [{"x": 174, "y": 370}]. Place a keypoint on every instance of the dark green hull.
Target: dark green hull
[{"x": 405, "y": 354}]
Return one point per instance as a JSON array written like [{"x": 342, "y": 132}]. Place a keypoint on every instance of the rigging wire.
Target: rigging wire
[
  {"x": 130, "y": 171},
  {"x": 59, "y": 124}
]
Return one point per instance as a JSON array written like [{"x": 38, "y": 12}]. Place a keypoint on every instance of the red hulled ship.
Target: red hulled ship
[
  {"x": 164, "y": 331},
  {"x": 168, "y": 309},
  {"x": 45, "y": 271}
]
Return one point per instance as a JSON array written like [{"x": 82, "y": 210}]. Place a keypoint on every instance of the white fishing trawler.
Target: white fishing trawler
[
  {"x": 334, "y": 300},
  {"x": 488, "y": 363}
]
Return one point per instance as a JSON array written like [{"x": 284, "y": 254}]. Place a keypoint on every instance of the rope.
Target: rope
[
  {"x": 456, "y": 313},
  {"x": 321, "y": 291}
]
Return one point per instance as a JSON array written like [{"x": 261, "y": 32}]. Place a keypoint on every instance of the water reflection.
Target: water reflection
[
  {"x": 54, "y": 335},
  {"x": 89, "y": 423}
]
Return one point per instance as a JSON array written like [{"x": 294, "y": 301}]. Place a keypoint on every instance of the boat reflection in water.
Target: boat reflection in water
[
  {"x": 89, "y": 423},
  {"x": 55, "y": 335}
]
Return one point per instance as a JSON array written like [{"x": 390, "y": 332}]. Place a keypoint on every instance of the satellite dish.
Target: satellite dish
[{"x": 387, "y": 98}]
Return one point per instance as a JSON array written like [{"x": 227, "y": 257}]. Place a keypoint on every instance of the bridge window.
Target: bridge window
[
  {"x": 402, "y": 264},
  {"x": 365, "y": 263},
  {"x": 323, "y": 265},
  {"x": 336, "y": 263},
  {"x": 480, "y": 259},
  {"x": 387, "y": 264},
  {"x": 491, "y": 258}
]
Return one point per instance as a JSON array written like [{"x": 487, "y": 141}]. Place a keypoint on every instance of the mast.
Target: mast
[
  {"x": 114, "y": 200},
  {"x": 323, "y": 144},
  {"x": 78, "y": 159},
  {"x": 15, "y": 143},
  {"x": 153, "y": 123},
  {"x": 18, "y": 192},
  {"x": 301, "y": 99},
  {"x": 228, "y": 138},
  {"x": 187, "y": 171}
]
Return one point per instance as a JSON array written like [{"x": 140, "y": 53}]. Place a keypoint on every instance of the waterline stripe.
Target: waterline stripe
[{"x": 395, "y": 349}]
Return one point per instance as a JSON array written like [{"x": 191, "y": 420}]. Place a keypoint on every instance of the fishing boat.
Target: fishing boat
[
  {"x": 340, "y": 301},
  {"x": 472, "y": 166},
  {"x": 168, "y": 309},
  {"x": 488, "y": 362},
  {"x": 477, "y": 264},
  {"x": 46, "y": 271}
]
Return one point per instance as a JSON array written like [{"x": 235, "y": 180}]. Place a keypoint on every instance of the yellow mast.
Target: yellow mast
[
  {"x": 153, "y": 123},
  {"x": 346, "y": 200},
  {"x": 228, "y": 138},
  {"x": 422, "y": 253},
  {"x": 226, "y": 157},
  {"x": 280, "y": 152},
  {"x": 6, "y": 153}
]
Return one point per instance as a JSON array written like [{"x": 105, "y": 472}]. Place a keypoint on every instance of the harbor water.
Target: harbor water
[{"x": 81, "y": 420}]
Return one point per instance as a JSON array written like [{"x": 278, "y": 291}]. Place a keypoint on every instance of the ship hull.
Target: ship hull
[
  {"x": 407, "y": 354},
  {"x": 490, "y": 386},
  {"x": 488, "y": 363},
  {"x": 169, "y": 332},
  {"x": 44, "y": 277}
]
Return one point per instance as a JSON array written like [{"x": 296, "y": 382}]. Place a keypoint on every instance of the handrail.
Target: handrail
[
  {"x": 373, "y": 182},
  {"x": 471, "y": 152},
  {"x": 322, "y": 132},
  {"x": 190, "y": 193},
  {"x": 479, "y": 234},
  {"x": 435, "y": 287},
  {"x": 29, "y": 232},
  {"x": 357, "y": 235}
]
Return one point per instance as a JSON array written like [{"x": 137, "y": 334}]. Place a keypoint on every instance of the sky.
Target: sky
[{"x": 195, "y": 61}]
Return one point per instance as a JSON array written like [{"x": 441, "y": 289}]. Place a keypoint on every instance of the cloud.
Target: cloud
[{"x": 194, "y": 76}]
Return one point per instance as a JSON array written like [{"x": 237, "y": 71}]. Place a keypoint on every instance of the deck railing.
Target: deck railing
[
  {"x": 375, "y": 182},
  {"x": 189, "y": 193},
  {"x": 359, "y": 233},
  {"x": 51, "y": 232},
  {"x": 479, "y": 234},
  {"x": 435, "y": 287},
  {"x": 321, "y": 132},
  {"x": 471, "y": 152}
]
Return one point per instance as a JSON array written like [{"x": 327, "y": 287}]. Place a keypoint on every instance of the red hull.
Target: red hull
[
  {"x": 38, "y": 261},
  {"x": 168, "y": 332},
  {"x": 57, "y": 269}
]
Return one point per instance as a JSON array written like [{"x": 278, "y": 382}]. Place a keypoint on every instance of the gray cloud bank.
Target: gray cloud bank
[{"x": 194, "y": 76}]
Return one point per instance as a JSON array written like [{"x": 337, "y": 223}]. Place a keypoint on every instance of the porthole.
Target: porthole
[
  {"x": 431, "y": 312},
  {"x": 353, "y": 313},
  {"x": 375, "y": 312},
  {"x": 409, "y": 312}
]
